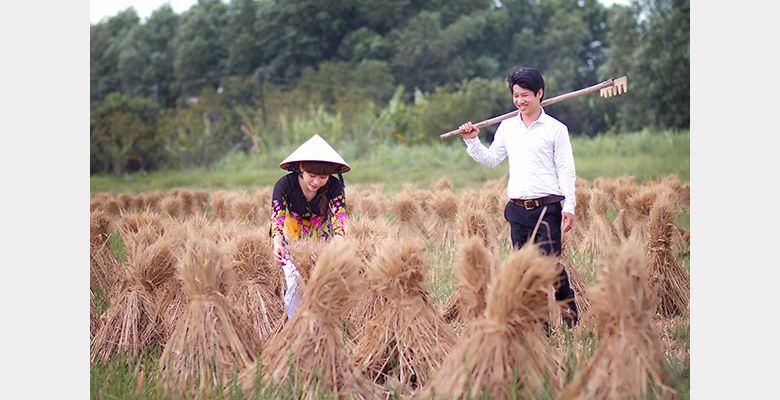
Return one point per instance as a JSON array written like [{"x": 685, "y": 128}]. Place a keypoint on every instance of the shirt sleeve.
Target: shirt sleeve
[
  {"x": 491, "y": 156},
  {"x": 564, "y": 165},
  {"x": 278, "y": 208},
  {"x": 338, "y": 209}
]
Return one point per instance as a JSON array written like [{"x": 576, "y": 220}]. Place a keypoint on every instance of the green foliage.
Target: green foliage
[
  {"x": 123, "y": 131},
  {"x": 650, "y": 42},
  {"x": 450, "y": 106},
  {"x": 380, "y": 72},
  {"x": 200, "y": 49},
  {"x": 201, "y": 133}
]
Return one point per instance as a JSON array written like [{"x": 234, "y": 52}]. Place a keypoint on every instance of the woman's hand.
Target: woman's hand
[{"x": 280, "y": 252}]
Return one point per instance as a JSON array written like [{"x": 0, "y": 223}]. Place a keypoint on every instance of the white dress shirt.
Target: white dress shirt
[{"x": 541, "y": 161}]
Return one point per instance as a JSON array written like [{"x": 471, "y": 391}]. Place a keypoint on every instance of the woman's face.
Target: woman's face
[{"x": 313, "y": 181}]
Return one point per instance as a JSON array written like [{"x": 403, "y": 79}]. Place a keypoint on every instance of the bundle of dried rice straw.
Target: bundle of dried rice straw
[
  {"x": 94, "y": 321},
  {"x": 172, "y": 300},
  {"x": 576, "y": 282},
  {"x": 173, "y": 207},
  {"x": 668, "y": 280},
  {"x": 304, "y": 253},
  {"x": 474, "y": 268},
  {"x": 505, "y": 352},
  {"x": 370, "y": 202},
  {"x": 601, "y": 233},
  {"x": 628, "y": 357},
  {"x": 406, "y": 340},
  {"x": 441, "y": 222},
  {"x": 308, "y": 355},
  {"x": 131, "y": 323},
  {"x": 474, "y": 220},
  {"x": 258, "y": 295},
  {"x": 210, "y": 340},
  {"x": 103, "y": 265},
  {"x": 407, "y": 206},
  {"x": 640, "y": 205},
  {"x": 584, "y": 217},
  {"x": 369, "y": 235},
  {"x": 131, "y": 222}
]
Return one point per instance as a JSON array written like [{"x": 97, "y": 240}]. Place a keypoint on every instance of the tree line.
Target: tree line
[{"x": 180, "y": 90}]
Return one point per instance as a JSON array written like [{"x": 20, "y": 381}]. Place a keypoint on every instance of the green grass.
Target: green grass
[{"x": 645, "y": 155}]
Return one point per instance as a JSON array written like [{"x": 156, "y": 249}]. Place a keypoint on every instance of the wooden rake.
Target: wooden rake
[{"x": 608, "y": 88}]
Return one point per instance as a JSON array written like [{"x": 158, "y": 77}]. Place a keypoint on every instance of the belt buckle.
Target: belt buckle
[{"x": 532, "y": 204}]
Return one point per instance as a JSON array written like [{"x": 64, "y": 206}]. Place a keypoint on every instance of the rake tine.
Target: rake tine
[{"x": 621, "y": 84}]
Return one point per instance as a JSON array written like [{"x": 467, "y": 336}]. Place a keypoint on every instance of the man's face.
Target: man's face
[{"x": 525, "y": 100}]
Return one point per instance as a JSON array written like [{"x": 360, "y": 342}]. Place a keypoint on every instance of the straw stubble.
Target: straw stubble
[
  {"x": 505, "y": 351},
  {"x": 210, "y": 340},
  {"x": 406, "y": 340},
  {"x": 308, "y": 355}
]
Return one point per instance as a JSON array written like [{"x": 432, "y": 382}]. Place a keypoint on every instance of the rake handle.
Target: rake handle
[{"x": 545, "y": 103}]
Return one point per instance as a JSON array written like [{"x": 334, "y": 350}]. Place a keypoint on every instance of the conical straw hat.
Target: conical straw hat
[{"x": 315, "y": 149}]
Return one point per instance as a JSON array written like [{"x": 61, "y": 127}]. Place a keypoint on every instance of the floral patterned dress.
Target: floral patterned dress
[{"x": 294, "y": 217}]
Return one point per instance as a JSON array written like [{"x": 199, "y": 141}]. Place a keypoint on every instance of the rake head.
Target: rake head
[{"x": 619, "y": 86}]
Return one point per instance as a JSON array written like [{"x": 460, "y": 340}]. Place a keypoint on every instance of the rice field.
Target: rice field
[{"x": 424, "y": 298}]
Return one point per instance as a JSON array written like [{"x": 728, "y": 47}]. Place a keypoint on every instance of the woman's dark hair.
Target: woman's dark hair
[
  {"x": 526, "y": 78},
  {"x": 319, "y": 167}
]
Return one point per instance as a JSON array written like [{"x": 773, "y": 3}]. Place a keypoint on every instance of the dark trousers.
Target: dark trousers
[{"x": 548, "y": 235}]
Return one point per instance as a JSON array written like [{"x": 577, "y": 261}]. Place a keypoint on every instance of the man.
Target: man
[{"x": 541, "y": 173}]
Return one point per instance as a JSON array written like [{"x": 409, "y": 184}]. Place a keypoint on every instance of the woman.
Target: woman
[{"x": 307, "y": 203}]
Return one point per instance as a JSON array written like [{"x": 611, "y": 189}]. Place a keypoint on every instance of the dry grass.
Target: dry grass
[
  {"x": 668, "y": 280},
  {"x": 308, "y": 354},
  {"x": 441, "y": 228},
  {"x": 628, "y": 357},
  {"x": 577, "y": 283},
  {"x": 601, "y": 234},
  {"x": 103, "y": 265},
  {"x": 405, "y": 341},
  {"x": 408, "y": 210},
  {"x": 132, "y": 322},
  {"x": 260, "y": 286},
  {"x": 210, "y": 340},
  {"x": 473, "y": 270},
  {"x": 474, "y": 221},
  {"x": 505, "y": 351}
]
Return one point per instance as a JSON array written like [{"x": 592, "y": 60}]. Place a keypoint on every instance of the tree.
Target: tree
[
  {"x": 123, "y": 133},
  {"x": 299, "y": 33},
  {"x": 158, "y": 74},
  {"x": 650, "y": 42},
  {"x": 244, "y": 49},
  {"x": 105, "y": 46},
  {"x": 200, "y": 51}
]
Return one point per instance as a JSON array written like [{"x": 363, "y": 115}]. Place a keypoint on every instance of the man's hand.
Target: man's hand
[
  {"x": 567, "y": 222},
  {"x": 468, "y": 130}
]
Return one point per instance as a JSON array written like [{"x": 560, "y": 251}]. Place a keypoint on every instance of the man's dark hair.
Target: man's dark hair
[{"x": 526, "y": 78}]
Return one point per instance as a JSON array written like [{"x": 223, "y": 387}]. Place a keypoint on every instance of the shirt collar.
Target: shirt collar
[{"x": 543, "y": 117}]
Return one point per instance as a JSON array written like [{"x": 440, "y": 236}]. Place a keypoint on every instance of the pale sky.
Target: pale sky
[{"x": 99, "y": 9}]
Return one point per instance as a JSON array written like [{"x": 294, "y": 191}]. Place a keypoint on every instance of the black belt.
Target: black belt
[{"x": 530, "y": 204}]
